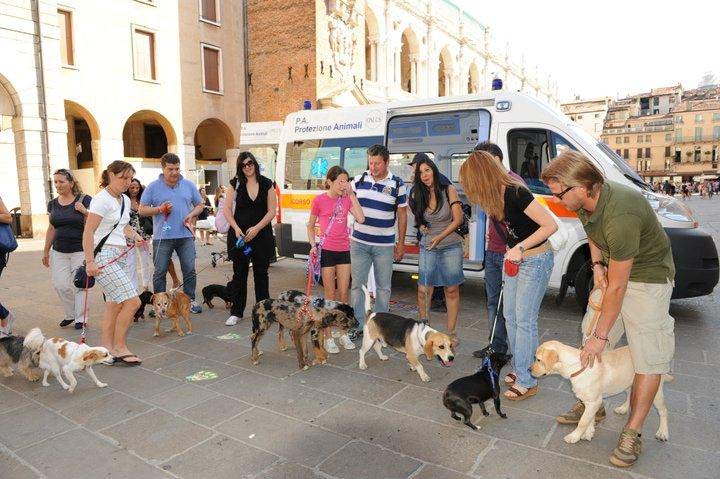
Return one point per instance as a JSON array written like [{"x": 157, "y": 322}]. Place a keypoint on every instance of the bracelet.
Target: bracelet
[
  {"x": 601, "y": 263},
  {"x": 595, "y": 335}
]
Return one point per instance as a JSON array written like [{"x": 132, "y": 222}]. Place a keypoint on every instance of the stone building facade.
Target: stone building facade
[
  {"x": 86, "y": 83},
  {"x": 351, "y": 52},
  {"x": 589, "y": 114}
]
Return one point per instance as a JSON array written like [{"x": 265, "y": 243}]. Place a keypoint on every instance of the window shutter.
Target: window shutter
[{"x": 212, "y": 69}]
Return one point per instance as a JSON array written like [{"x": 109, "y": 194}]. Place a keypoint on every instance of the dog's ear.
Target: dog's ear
[
  {"x": 453, "y": 342},
  {"x": 91, "y": 356},
  {"x": 429, "y": 348},
  {"x": 152, "y": 299},
  {"x": 550, "y": 359}
]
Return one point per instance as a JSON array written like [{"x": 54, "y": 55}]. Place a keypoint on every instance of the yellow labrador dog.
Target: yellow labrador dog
[{"x": 613, "y": 375}]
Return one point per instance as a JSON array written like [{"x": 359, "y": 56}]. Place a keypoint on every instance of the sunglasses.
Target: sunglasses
[
  {"x": 563, "y": 192},
  {"x": 65, "y": 173},
  {"x": 248, "y": 164}
]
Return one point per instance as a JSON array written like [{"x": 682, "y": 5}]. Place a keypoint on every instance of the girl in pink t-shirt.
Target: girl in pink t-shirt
[{"x": 335, "y": 251}]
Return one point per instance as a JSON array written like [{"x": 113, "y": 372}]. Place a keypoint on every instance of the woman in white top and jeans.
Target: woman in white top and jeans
[{"x": 106, "y": 211}]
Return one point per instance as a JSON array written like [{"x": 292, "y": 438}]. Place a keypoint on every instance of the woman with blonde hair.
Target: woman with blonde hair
[{"x": 528, "y": 260}]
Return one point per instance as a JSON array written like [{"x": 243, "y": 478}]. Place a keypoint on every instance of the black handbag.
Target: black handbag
[
  {"x": 464, "y": 228},
  {"x": 81, "y": 280}
]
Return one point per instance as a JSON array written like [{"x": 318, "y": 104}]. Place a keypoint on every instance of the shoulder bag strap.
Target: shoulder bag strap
[{"x": 102, "y": 241}]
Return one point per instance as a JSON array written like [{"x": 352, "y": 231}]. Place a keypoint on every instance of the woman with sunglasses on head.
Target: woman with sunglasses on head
[
  {"x": 63, "y": 252},
  {"x": 528, "y": 260},
  {"x": 438, "y": 214},
  {"x": 255, "y": 204}
]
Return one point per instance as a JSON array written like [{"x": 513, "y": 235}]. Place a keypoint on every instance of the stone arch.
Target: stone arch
[
  {"x": 473, "y": 78},
  {"x": 445, "y": 69},
  {"x": 148, "y": 134},
  {"x": 409, "y": 58},
  {"x": 11, "y": 184},
  {"x": 372, "y": 44},
  {"x": 212, "y": 139},
  {"x": 83, "y": 144}
]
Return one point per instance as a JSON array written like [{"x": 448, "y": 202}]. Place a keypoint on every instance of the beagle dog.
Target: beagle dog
[
  {"x": 611, "y": 375},
  {"x": 405, "y": 335}
]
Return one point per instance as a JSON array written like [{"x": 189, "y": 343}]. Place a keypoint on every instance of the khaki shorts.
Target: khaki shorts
[{"x": 645, "y": 319}]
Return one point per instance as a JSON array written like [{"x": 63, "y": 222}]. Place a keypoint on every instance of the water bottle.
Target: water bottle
[{"x": 240, "y": 245}]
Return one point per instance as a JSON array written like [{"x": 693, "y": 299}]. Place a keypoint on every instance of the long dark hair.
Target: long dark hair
[
  {"x": 239, "y": 175},
  {"x": 140, "y": 190},
  {"x": 420, "y": 194}
]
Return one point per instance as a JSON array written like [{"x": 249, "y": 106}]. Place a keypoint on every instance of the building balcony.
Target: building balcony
[{"x": 698, "y": 139}]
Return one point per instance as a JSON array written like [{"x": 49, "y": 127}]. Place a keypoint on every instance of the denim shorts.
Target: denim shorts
[{"x": 441, "y": 266}]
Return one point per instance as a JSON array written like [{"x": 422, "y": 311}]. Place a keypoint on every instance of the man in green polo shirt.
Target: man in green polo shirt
[{"x": 632, "y": 261}]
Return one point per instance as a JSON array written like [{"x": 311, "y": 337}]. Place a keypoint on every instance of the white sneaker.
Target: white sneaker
[
  {"x": 330, "y": 346},
  {"x": 232, "y": 321},
  {"x": 346, "y": 343},
  {"x": 7, "y": 329}
]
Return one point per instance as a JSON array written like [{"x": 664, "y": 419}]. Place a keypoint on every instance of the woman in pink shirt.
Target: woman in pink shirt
[{"x": 335, "y": 248}]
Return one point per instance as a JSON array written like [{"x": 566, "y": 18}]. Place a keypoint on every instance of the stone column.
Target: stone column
[
  {"x": 373, "y": 58},
  {"x": 414, "y": 74}
]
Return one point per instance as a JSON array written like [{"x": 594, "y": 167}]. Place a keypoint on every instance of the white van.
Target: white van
[
  {"x": 529, "y": 132},
  {"x": 262, "y": 139}
]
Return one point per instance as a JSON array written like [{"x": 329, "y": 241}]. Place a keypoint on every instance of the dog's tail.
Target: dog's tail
[
  {"x": 368, "y": 302},
  {"x": 667, "y": 378},
  {"x": 34, "y": 339}
]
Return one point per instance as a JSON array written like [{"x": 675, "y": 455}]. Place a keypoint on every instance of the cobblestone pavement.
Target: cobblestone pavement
[{"x": 332, "y": 421}]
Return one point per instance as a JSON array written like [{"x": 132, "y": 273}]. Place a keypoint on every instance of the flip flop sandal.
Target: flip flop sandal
[
  {"x": 512, "y": 378},
  {"x": 521, "y": 396},
  {"x": 121, "y": 360}
]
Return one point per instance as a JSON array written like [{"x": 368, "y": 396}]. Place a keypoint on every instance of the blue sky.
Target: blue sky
[{"x": 610, "y": 47}]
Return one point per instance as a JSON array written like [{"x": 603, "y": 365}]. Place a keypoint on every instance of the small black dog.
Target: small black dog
[
  {"x": 462, "y": 393},
  {"x": 212, "y": 291},
  {"x": 145, "y": 299}
]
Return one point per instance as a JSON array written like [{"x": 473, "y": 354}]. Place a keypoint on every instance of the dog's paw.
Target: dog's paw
[
  {"x": 662, "y": 434},
  {"x": 156, "y": 335},
  {"x": 66, "y": 387},
  {"x": 412, "y": 368},
  {"x": 33, "y": 377},
  {"x": 305, "y": 367},
  {"x": 102, "y": 385},
  {"x": 7, "y": 374},
  {"x": 621, "y": 409},
  {"x": 71, "y": 390},
  {"x": 362, "y": 366},
  {"x": 425, "y": 378},
  {"x": 589, "y": 433},
  {"x": 485, "y": 413},
  {"x": 572, "y": 438},
  {"x": 384, "y": 358},
  {"x": 503, "y": 415},
  {"x": 45, "y": 384}
]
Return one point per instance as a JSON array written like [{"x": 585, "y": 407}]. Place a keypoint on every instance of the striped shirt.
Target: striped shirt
[{"x": 379, "y": 201}]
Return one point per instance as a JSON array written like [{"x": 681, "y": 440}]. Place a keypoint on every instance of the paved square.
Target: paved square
[{"x": 332, "y": 421}]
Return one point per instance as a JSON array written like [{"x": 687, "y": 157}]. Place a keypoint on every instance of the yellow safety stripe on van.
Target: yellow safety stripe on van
[
  {"x": 296, "y": 201},
  {"x": 556, "y": 206},
  {"x": 303, "y": 201}
]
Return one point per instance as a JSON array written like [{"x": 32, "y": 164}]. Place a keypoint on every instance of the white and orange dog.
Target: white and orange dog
[
  {"x": 59, "y": 356},
  {"x": 612, "y": 375}
]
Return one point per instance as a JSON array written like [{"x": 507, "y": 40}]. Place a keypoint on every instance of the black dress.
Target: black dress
[{"x": 249, "y": 212}]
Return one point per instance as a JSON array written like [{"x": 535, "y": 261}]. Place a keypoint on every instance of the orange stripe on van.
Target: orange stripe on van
[
  {"x": 296, "y": 201},
  {"x": 556, "y": 206}
]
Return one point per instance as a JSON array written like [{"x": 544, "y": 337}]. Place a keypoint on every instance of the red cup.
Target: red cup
[{"x": 511, "y": 268}]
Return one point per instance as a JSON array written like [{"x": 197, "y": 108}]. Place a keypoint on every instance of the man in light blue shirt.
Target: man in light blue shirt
[{"x": 173, "y": 202}]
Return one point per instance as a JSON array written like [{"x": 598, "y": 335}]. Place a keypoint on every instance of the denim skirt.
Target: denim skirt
[{"x": 441, "y": 266}]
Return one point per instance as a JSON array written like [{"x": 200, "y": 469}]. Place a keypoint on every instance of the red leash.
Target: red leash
[{"x": 87, "y": 283}]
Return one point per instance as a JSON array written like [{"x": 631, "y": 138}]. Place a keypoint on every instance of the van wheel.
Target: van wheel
[{"x": 583, "y": 284}]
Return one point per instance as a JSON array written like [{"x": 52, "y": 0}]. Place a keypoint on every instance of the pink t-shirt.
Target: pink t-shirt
[{"x": 338, "y": 237}]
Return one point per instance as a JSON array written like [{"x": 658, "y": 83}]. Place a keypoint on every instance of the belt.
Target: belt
[{"x": 537, "y": 250}]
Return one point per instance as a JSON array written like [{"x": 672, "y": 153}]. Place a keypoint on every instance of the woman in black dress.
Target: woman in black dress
[{"x": 255, "y": 203}]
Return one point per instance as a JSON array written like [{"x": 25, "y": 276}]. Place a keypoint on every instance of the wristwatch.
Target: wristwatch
[{"x": 521, "y": 248}]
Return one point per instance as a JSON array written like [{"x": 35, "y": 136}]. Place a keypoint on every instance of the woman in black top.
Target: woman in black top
[
  {"x": 487, "y": 183},
  {"x": 203, "y": 216},
  {"x": 64, "y": 236},
  {"x": 255, "y": 203},
  {"x": 143, "y": 225}
]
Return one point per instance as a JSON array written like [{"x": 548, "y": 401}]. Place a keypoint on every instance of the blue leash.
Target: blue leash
[{"x": 491, "y": 372}]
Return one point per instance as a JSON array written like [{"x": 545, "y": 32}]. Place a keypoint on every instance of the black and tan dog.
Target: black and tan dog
[
  {"x": 14, "y": 352},
  {"x": 145, "y": 299},
  {"x": 289, "y": 316},
  {"x": 462, "y": 393},
  {"x": 405, "y": 335},
  {"x": 213, "y": 291}
]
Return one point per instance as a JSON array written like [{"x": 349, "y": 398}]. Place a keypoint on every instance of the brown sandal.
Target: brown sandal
[
  {"x": 512, "y": 377},
  {"x": 520, "y": 396}
]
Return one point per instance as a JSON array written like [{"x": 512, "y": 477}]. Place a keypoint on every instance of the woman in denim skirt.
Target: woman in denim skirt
[
  {"x": 438, "y": 214},
  {"x": 528, "y": 260}
]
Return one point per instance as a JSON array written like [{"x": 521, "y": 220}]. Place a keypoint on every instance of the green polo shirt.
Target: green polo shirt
[{"x": 624, "y": 226}]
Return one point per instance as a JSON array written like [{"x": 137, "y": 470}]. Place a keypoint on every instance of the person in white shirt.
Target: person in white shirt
[{"x": 105, "y": 239}]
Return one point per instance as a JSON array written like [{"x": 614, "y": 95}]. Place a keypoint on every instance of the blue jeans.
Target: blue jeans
[
  {"x": 162, "y": 252},
  {"x": 381, "y": 258},
  {"x": 493, "y": 286},
  {"x": 522, "y": 298}
]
